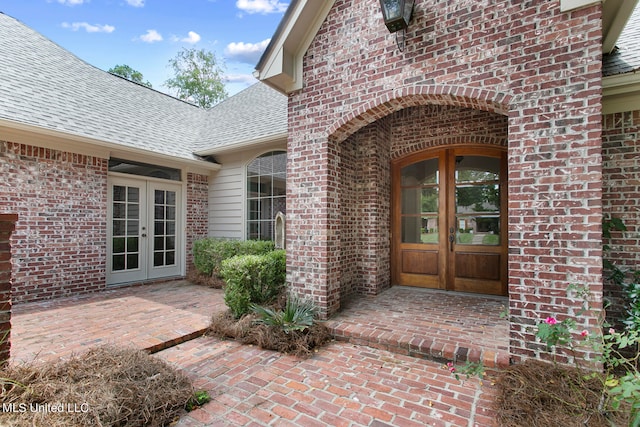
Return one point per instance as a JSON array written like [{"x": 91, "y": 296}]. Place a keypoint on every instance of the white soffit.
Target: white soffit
[
  {"x": 567, "y": 5},
  {"x": 281, "y": 65}
]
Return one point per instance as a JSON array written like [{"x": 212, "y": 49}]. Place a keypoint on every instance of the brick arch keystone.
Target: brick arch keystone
[{"x": 393, "y": 100}]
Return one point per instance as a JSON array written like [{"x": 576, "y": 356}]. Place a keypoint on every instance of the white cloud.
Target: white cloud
[
  {"x": 75, "y": 26},
  {"x": 246, "y": 52},
  {"x": 72, "y": 2},
  {"x": 247, "y": 79},
  {"x": 151, "y": 36},
  {"x": 192, "y": 38},
  {"x": 134, "y": 3},
  {"x": 261, "y": 6}
]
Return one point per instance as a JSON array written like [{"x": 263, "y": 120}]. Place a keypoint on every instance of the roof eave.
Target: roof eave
[
  {"x": 621, "y": 93},
  {"x": 281, "y": 64},
  {"x": 243, "y": 145},
  {"x": 69, "y": 142}
]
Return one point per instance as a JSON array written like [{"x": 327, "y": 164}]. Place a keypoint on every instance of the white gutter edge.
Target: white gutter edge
[{"x": 109, "y": 146}]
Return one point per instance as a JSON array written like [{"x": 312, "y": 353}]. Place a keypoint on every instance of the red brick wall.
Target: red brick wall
[
  {"x": 197, "y": 212},
  {"x": 7, "y": 225},
  {"x": 60, "y": 240},
  {"x": 621, "y": 193},
  {"x": 59, "y": 245},
  {"x": 526, "y": 61}
]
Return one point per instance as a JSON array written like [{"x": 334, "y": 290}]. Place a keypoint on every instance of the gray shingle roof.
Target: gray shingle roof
[
  {"x": 626, "y": 57},
  {"x": 255, "y": 113},
  {"x": 44, "y": 85}
]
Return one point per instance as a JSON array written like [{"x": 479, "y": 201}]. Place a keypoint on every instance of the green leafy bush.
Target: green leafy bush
[
  {"x": 209, "y": 253},
  {"x": 252, "y": 279}
]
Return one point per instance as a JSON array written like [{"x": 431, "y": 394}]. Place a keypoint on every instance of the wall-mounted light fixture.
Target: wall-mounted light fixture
[{"x": 397, "y": 14}]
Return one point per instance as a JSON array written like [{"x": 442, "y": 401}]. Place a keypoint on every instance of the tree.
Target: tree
[
  {"x": 129, "y": 74},
  {"x": 198, "y": 77}
]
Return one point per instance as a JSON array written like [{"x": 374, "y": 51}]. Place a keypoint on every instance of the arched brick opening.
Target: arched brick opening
[
  {"x": 386, "y": 103},
  {"x": 365, "y": 143}
]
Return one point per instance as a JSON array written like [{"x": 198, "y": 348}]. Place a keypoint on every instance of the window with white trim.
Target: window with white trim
[{"x": 266, "y": 193}]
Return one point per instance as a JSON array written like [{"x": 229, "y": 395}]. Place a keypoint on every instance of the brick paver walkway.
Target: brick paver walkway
[
  {"x": 341, "y": 385},
  {"x": 150, "y": 317}
]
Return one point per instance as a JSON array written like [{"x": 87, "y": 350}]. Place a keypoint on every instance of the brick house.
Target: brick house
[
  {"x": 481, "y": 158},
  {"x": 470, "y": 160},
  {"x": 112, "y": 181}
]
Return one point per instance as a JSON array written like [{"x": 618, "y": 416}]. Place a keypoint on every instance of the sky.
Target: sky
[{"x": 147, "y": 34}]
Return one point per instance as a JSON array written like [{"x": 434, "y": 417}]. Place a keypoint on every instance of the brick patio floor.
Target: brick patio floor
[
  {"x": 149, "y": 317},
  {"x": 370, "y": 381}
]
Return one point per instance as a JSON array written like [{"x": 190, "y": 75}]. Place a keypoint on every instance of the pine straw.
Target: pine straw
[
  {"x": 197, "y": 278},
  {"x": 541, "y": 394},
  {"x": 247, "y": 331},
  {"x": 115, "y": 386}
]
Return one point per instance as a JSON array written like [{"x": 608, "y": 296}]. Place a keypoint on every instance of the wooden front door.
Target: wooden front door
[{"x": 449, "y": 220}]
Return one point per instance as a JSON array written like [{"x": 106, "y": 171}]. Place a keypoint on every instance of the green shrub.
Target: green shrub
[
  {"x": 252, "y": 279},
  {"x": 209, "y": 253}
]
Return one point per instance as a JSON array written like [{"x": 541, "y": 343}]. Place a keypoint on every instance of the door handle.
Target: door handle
[{"x": 451, "y": 239}]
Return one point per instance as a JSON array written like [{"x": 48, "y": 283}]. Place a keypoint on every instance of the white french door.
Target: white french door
[{"x": 144, "y": 241}]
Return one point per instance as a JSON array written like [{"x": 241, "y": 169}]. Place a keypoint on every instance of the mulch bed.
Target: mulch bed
[
  {"x": 247, "y": 331},
  {"x": 541, "y": 394},
  {"x": 198, "y": 278},
  {"x": 106, "y": 386}
]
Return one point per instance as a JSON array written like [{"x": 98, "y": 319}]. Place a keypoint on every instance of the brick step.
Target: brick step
[
  {"x": 438, "y": 349},
  {"x": 168, "y": 343}
]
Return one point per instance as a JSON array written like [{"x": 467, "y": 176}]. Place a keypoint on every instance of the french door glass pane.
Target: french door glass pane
[
  {"x": 477, "y": 200},
  {"x": 125, "y": 228},
  {"x": 133, "y": 194},
  {"x": 164, "y": 228},
  {"x": 420, "y": 229},
  {"x": 420, "y": 202},
  {"x": 421, "y": 173}
]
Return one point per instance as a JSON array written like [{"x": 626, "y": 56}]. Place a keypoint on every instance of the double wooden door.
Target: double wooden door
[{"x": 449, "y": 220}]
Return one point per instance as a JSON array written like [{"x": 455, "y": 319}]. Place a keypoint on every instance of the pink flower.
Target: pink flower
[
  {"x": 551, "y": 320},
  {"x": 584, "y": 333},
  {"x": 612, "y": 331},
  {"x": 451, "y": 368}
]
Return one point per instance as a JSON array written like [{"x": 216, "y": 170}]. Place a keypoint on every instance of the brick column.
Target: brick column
[
  {"x": 313, "y": 221},
  {"x": 7, "y": 225},
  {"x": 197, "y": 222}
]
